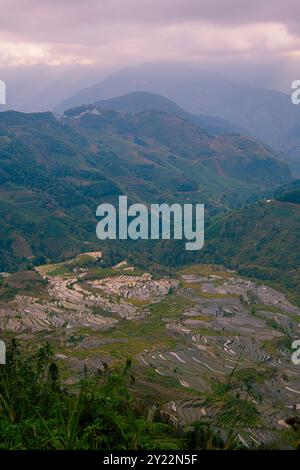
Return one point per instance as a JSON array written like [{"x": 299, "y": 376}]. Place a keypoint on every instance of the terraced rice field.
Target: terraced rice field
[{"x": 212, "y": 345}]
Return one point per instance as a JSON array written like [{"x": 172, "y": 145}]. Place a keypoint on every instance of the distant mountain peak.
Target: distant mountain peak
[
  {"x": 268, "y": 115},
  {"x": 141, "y": 101}
]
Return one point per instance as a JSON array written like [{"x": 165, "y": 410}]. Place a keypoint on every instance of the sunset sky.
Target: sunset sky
[{"x": 257, "y": 41}]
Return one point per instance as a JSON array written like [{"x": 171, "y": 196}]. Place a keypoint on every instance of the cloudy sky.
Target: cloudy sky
[{"x": 259, "y": 41}]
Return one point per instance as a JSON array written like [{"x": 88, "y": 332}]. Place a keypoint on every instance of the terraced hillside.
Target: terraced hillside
[{"x": 207, "y": 344}]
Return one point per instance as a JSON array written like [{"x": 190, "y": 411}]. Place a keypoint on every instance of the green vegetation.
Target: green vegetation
[
  {"x": 101, "y": 412},
  {"x": 59, "y": 271},
  {"x": 260, "y": 241},
  {"x": 106, "y": 411},
  {"x": 23, "y": 282},
  {"x": 289, "y": 193},
  {"x": 53, "y": 174},
  {"x": 131, "y": 337}
]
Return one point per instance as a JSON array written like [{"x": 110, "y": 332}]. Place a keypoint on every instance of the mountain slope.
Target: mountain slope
[
  {"x": 185, "y": 148},
  {"x": 261, "y": 240},
  {"x": 54, "y": 173},
  {"x": 138, "y": 101},
  {"x": 289, "y": 192},
  {"x": 268, "y": 115}
]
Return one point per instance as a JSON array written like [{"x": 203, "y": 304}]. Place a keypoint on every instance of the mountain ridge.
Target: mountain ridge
[
  {"x": 138, "y": 101},
  {"x": 54, "y": 173},
  {"x": 268, "y": 115}
]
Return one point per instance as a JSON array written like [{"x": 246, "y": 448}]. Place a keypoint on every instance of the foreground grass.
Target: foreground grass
[
  {"x": 101, "y": 412},
  {"x": 110, "y": 411}
]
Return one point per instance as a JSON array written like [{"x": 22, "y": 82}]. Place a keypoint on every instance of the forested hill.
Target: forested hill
[{"x": 54, "y": 173}]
